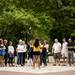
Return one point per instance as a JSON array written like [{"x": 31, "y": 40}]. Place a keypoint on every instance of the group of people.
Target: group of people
[
  {"x": 5, "y": 51},
  {"x": 35, "y": 51},
  {"x": 65, "y": 51}
]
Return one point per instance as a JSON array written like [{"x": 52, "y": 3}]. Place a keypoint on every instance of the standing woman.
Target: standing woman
[
  {"x": 36, "y": 53},
  {"x": 64, "y": 51},
  {"x": 20, "y": 51},
  {"x": 6, "y": 50},
  {"x": 45, "y": 50},
  {"x": 2, "y": 52},
  {"x": 11, "y": 53}
]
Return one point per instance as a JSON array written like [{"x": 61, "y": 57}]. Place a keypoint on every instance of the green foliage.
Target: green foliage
[
  {"x": 46, "y": 19},
  {"x": 73, "y": 33}
]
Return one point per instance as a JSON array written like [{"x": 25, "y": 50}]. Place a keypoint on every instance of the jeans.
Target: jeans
[
  {"x": 43, "y": 57},
  {"x": 11, "y": 60},
  {"x": 20, "y": 58},
  {"x": 24, "y": 57},
  {"x": 70, "y": 57},
  {"x": 6, "y": 58}
]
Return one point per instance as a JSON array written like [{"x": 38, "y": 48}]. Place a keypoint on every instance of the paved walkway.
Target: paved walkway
[{"x": 43, "y": 70}]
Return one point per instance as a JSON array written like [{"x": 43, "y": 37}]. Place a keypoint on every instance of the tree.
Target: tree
[{"x": 48, "y": 19}]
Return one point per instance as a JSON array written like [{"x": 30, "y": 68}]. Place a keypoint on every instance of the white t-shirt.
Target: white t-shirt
[
  {"x": 10, "y": 49},
  {"x": 57, "y": 47},
  {"x": 65, "y": 47},
  {"x": 21, "y": 48}
]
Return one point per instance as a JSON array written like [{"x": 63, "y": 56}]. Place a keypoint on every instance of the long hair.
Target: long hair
[{"x": 36, "y": 43}]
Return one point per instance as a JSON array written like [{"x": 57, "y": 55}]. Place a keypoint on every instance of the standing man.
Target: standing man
[
  {"x": 70, "y": 52},
  {"x": 56, "y": 49},
  {"x": 64, "y": 51}
]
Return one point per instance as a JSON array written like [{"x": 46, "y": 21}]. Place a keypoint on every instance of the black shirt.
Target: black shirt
[
  {"x": 74, "y": 47},
  {"x": 70, "y": 46}
]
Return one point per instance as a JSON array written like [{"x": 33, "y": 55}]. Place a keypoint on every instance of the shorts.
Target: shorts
[
  {"x": 36, "y": 53},
  {"x": 65, "y": 54},
  {"x": 57, "y": 55}
]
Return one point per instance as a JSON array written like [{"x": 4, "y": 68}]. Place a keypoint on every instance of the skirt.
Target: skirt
[{"x": 36, "y": 53}]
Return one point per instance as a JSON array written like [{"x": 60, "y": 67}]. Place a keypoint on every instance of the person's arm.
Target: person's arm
[
  {"x": 17, "y": 48},
  {"x": 53, "y": 48},
  {"x": 60, "y": 47},
  {"x": 74, "y": 46},
  {"x": 70, "y": 46},
  {"x": 13, "y": 50},
  {"x": 25, "y": 48},
  {"x": 47, "y": 47},
  {"x": 8, "y": 49}
]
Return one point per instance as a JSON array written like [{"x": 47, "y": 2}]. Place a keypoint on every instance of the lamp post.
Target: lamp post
[
  {"x": 26, "y": 37},
  {"x": 28, "y": 32}
]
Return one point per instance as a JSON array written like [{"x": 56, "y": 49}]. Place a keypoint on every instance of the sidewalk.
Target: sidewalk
[{"x": 42, "y": 70}]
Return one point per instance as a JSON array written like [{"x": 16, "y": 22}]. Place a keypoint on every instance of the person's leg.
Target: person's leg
[
  {"x": 63, "y": 61},
  {"x": 63, "y": 57},
  {"x": 41, "y": 58},
  {"x": 66, "y": 58},
  {"x": 24, "y": 57},
  {"x": 1, "y": 60},
  {"x": 18, "y": 58},
  {"x": 21, "y": 58},
  {"x": 59, "y": 57},
  {"x": 54, "y": 59},
  {"x": 34, "y": 61},
  {"x": 9, "y": 61},
  {"x": 58, "y": 62},
  {"x": 12, "y": 61},
  {"x": 69, "y": 58},
  {"x": 5, "y": 57},
  {"x": 44, "y": 59},
  {"x": 38, "y": 60},
  {"x": 31, "y": 58},
  {"x": 72, "y": 57}
]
